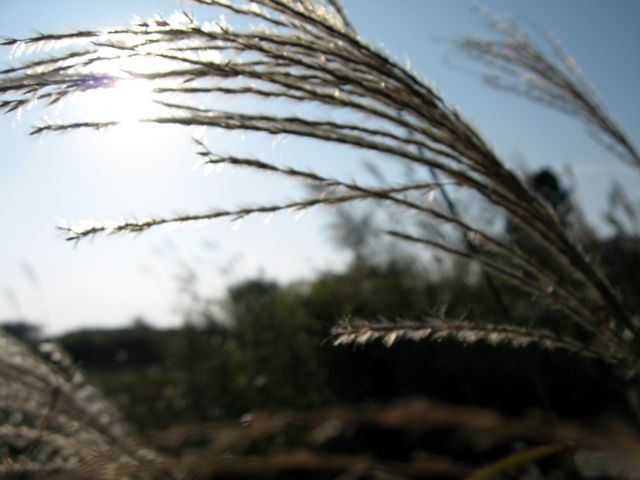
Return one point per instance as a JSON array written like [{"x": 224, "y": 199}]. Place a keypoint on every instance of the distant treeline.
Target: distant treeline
[{"x": 274, "y": 351}]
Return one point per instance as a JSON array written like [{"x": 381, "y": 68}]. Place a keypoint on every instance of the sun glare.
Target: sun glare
[
  {"x": 128, "y": 101},
  {"x": 133, "y": 145}
]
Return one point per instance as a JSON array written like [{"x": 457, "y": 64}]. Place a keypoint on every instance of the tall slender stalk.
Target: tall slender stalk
[{"x": 308, "y": 52}]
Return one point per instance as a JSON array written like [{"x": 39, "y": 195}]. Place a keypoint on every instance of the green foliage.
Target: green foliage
[
  {"x": 266, "y": 316},
  {"x": 274, "y": 351},
  {"x": 108, "y": 349}
]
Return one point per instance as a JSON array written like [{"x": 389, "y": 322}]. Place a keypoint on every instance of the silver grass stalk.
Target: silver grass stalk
[
  {"x": 359, "y": 332},
  {"x": 516, "y": 64},
  {"x": 55, "y": 422},
  {"x": 309, "y": 53}
]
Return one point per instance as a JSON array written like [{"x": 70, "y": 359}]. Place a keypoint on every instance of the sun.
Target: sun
[
  {"x": 128, "y": 99},
  {"x": 127, "y": 102},
  {"x": 132, "y": 145}
]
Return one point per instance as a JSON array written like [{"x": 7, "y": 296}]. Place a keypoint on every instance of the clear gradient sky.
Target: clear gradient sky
[{"x": 110, "y": 280}]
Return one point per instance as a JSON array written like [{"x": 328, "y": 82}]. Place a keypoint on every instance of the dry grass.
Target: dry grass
[{"x": 309, "y": 53}]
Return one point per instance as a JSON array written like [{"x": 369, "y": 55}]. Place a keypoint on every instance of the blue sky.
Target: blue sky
[{"x": 110, "y": 280}]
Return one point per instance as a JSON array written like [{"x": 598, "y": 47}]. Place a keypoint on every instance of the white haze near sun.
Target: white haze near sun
[{"x": 142, "y": 169}]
